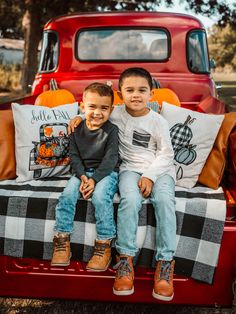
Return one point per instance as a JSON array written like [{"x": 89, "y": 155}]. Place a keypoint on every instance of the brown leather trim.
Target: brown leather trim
[
  {"x": 214, "y": 167},
  {"x": 7, "y": 145}
]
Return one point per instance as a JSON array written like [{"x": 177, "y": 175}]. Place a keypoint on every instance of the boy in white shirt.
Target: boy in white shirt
[{"x": 147, "y": 170}]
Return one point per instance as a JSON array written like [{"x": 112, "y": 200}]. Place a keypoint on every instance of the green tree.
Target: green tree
[
  {"x": 222, "y": 45},
  {"x": 36, "y": 13},
  {"x": 25, "y": 19},
  {"x": 11, "y": 13}
]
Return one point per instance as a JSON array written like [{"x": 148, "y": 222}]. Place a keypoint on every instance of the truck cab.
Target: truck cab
[{"x": 80, "y": 48}]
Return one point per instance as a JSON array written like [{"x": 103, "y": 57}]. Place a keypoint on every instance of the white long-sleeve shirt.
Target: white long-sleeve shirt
[{"x": 144, "y": 143}]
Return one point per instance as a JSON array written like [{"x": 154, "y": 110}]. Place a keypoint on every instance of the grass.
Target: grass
[
  {"x": 10, "y": 76},
  {"x": 10, "y": 87},
  {"x": 227, "y": 92}
]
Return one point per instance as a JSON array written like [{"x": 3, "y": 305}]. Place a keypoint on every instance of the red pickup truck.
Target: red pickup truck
[{"x": 76, "y": 50}]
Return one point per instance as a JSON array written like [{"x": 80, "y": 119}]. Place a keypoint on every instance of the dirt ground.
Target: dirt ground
[{"x": 13, "y": 306}]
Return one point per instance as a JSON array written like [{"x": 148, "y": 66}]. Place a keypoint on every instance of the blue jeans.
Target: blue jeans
[
  {"x": 163, "y": 201},
  {"x": 102, "y": 199}
]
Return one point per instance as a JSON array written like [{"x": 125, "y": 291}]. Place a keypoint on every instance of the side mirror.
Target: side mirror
[{"x": 212, "y": 64}]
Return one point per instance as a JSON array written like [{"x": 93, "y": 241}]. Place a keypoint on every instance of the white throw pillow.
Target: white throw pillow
[
  {"x": 41, "y": 140},
  {"x": 192, "y": 136}
]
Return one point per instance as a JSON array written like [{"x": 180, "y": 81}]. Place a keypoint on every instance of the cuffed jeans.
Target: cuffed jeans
[
  {"x": 102, "y": 199},
  {"x": 163, "y": 201}
]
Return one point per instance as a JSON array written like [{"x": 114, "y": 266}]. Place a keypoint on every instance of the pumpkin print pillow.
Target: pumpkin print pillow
[
  {"x": 192, "y": 137},
  {"x": 41, "y": 140}
]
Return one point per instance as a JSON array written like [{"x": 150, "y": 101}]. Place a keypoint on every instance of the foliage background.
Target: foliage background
[{"x": 24, "y": 19}]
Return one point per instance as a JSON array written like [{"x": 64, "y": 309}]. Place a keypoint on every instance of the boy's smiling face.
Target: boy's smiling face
[
  {"x": 97, "y": 109},
  {"x": 135, "y": 92}
]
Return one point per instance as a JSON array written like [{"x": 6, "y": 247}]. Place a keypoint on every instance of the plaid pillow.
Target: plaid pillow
[{"x": 192, "y": 136}]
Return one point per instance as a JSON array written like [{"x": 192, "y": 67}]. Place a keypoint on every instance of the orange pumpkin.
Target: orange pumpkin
[
  {"x": 165, "y": 94},
  {"x": 45, "y": 151},
  {"x": 117, "y": 99},
  {"x": 54, "y": 97}
]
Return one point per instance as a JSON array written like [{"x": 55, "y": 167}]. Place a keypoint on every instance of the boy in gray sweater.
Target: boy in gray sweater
[{"x": 94, "y": 159}]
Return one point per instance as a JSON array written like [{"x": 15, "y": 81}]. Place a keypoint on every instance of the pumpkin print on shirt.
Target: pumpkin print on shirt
[{"x": 184, "y": 152}]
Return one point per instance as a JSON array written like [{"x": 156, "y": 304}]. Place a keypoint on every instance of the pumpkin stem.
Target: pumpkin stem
[
  {"x": 193, "y": 119},
  {"x": 53, "y": 84},
  {"x": 191, "y": 146},
  {"x": 187, "y": 120}
]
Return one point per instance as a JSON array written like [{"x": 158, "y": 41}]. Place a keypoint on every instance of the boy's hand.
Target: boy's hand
[
  {"x": 145, "y": 186},
  {"x": 84, "y": 180},
  {"x": 73, "y": 123},
  {"x": 88, "y": 188}
]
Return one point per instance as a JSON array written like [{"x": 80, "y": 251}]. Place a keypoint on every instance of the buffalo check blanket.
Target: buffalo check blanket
[{"x": 27, "y": 216}]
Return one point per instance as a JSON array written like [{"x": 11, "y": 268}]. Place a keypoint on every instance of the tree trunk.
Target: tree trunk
[{"x": 31, "y": 25}]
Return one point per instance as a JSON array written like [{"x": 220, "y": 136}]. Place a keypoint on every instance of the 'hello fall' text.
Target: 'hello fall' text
[{"x": 47, "y": 116}]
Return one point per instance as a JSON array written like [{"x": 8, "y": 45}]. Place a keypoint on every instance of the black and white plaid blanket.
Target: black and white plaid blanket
[{"x": 27, "y": 213}]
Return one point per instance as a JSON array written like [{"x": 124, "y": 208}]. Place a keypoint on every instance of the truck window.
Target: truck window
[
  {"x": 49, "y": 52},
  {"x": 123, "y": 44},
  {"x": 197, "y": 53}
]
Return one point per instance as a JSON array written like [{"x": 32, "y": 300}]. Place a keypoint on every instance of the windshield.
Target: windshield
[
  {"x": 49, "y": 53},
  {"x": 125, "y": 44},
  {"x": 198, "y": 60}
]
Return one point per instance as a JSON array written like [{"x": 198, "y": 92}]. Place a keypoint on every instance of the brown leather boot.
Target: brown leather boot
[
  {"x": 163, "y": 281},
  {"x": 124, "y": 281},
  {"x": 61, "y": 254},
  {"x": 101, "y": 258}
]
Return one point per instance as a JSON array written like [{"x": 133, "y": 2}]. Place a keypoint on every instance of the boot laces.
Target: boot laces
[
  {"x": 60, "y": 243},
  {"x": 99, "y": 249},
  {"x": 165, "y": 270},
  {"x": 123, "y": 268}
]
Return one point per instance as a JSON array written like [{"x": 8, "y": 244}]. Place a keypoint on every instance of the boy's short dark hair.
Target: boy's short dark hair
[
  {"x": 101, "y": 89},
  {"x": 135, "y": 72}
]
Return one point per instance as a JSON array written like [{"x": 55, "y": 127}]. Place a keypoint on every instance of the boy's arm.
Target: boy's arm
[
  {"x": 164, "y": 161},
  {"x": 73, "y": 123},
  {"x": 76, "y": 161},
  {"x": 110, "y": 158}
]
